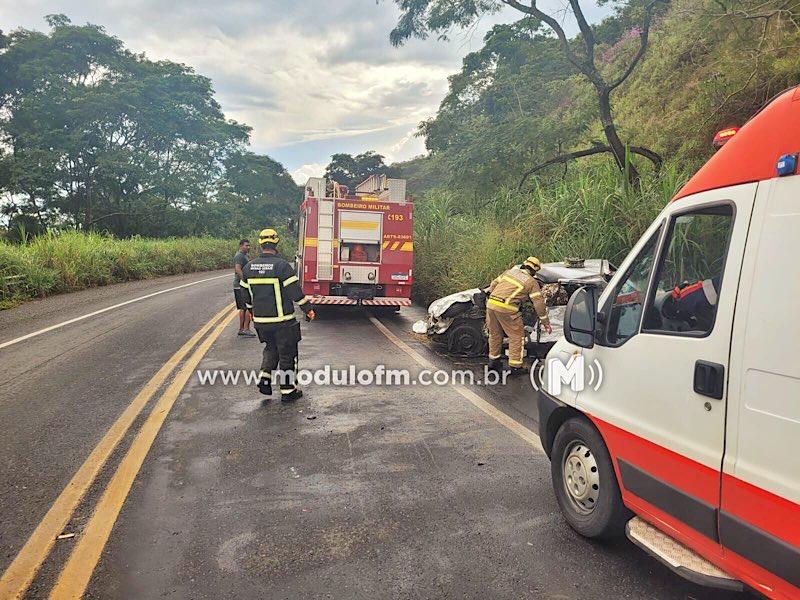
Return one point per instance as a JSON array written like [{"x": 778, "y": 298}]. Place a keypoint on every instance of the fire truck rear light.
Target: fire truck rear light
[
  {"x": 723, "y": 136},
  {"x": 787, "y": 165}
]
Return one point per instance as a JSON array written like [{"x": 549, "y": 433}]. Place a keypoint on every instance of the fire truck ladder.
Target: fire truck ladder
[{"x": 325, "y": 241}]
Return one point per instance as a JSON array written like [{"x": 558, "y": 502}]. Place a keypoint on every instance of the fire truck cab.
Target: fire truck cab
[
  {"x": 356, "y": 248},
  {"x": 685, "y": 431}
]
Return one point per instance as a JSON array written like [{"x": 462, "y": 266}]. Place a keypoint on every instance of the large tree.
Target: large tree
[
  {"x": 97, "y": 137},
  {"x": 420, "y": 18},
  {"x": 350, "y": 170}
]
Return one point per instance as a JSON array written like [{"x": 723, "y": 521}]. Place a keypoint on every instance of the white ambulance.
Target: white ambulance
[{"x": 691, "y": 441}]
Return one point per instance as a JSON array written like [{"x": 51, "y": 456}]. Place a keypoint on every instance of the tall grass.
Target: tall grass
[
  {"x": 69, "y": 261},
  {"x": 594, "y": 213}
]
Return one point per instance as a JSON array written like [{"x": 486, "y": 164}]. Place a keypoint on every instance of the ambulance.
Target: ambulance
[{"x": 686, "y": 431}]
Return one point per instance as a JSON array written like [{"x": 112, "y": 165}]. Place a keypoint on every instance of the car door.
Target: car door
[{"x": 663, "y": 347}]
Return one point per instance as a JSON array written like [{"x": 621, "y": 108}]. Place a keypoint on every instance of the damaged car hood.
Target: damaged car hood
[{"x": 438, "y": 307}]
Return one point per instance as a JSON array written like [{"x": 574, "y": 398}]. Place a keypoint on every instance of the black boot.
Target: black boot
[
  {"x": 265, "y": 387},
  {"x": 517, "y": 371},
  {"x": 295, "y": 394},
  {"x": 496, "y": 365}
]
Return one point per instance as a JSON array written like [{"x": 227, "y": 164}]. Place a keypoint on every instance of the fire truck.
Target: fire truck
[
  {"x": 356, "y": 248},
  {"x": 685, "y": 434}
]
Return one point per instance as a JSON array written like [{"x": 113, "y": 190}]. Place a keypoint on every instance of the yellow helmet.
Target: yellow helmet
[
  {"x": 268, "y": 236},
  {"x": 533, "y": 263}
]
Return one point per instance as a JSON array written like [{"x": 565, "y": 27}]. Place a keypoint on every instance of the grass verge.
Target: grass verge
[{"x": 68, "y": 261}]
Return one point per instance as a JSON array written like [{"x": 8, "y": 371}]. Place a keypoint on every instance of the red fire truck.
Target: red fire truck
[{"x": 356, "y": 248}]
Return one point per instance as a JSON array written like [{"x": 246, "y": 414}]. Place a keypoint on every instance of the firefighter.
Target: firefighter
[
  {"x": 506, "y": 293},
  {"x": 273, "y": 291},
  {"x": 358, "y": 254}
]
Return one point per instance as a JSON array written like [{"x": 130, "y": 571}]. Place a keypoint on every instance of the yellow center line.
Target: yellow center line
[
  {"x": 498, "y": 415},
  {"x": 20, "y": 573},
  {"x": 76, "y": 573}
]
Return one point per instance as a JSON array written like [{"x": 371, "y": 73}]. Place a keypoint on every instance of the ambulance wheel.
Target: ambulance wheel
[{"x": 585, "y": 483}]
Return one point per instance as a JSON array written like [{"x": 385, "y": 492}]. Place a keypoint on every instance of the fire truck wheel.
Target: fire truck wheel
[{"x": 585, "y": 483}]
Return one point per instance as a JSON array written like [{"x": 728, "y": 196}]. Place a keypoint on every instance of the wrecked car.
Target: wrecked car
[{"x": 456, "y": 322}]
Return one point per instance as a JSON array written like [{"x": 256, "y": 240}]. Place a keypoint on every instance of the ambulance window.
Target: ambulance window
[
  {"x": 625, "y": 313},
  {"x": 689, "y": 276}
]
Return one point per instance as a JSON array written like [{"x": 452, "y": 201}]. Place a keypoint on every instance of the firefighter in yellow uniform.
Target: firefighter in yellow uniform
[{"x": 506, "y": 293}]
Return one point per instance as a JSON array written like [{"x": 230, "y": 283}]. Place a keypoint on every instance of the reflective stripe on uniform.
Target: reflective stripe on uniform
[
  {"x": 279, "y": 319},
  {"x": 504, "y": 306},
  {"x": 536, "y": 295},
  {"x": 303, "y": 301},
  {"x": 276, "y": 284},
  {"x": 513, "y": 282},
  {"x": 514, "y": 363},
  {"x": 244, "y": 284},
  {"x": 290, "y": 280},
  {"x": 265, "y": 375}
]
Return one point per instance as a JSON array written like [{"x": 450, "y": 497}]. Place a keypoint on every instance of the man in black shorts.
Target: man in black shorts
[{"x": 239, "y": 261}]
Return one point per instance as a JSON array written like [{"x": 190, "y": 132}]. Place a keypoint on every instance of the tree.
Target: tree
[
  {"x": 257, "y": 192},
  {"x": 350, "y": 170},
  {"x": 419, "y": 18},
  {"x": 98, "y": 137}
]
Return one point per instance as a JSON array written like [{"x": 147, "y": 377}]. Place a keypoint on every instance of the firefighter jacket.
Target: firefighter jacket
[
  {"x": 273, "y": 289},
  {"x": 510, "y": 289}
]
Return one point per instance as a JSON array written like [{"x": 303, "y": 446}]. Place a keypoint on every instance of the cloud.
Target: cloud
[
  {"x": 305, "y": 75},
  {"x": 303, "y": 172}
]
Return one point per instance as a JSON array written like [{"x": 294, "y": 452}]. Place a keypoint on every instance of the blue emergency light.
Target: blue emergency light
[{"x": 787, "y": 165}]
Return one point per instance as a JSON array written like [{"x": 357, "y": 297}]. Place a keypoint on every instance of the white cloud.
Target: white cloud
[
  {"x": 303, "y": 172},
  {"x": 299, "y": 73}
]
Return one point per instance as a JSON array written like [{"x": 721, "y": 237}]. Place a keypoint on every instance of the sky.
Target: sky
[{"x": 311, "y": 77}]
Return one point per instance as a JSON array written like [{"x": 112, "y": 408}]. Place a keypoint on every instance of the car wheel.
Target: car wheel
[
  {"x": 467, "y": 338},
  {"x": 585, "y": 483}
]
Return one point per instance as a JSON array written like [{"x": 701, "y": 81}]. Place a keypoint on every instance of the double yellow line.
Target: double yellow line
[{"x": 78, "y": 570}]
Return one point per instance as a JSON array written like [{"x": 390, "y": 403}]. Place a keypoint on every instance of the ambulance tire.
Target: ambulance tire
[{"x": 594, "y": 507}]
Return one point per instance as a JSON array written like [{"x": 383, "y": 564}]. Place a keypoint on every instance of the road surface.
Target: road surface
[{"x": 161, "y": 486}]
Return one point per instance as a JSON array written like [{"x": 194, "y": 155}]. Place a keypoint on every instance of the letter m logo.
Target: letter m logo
[{"x": 572, "y": 373}]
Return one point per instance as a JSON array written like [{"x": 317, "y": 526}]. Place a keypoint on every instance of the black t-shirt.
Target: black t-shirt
[{"x": 239, "y": 259}]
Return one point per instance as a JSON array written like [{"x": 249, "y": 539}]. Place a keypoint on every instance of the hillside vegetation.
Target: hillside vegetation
[{"x": 518, "y": 102}]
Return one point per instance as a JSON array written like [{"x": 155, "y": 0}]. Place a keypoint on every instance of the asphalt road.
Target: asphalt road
[{"x": 352, "y": 492}]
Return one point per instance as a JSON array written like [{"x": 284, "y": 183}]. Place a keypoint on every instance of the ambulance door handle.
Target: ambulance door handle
[{"x": 709, "y": 379}]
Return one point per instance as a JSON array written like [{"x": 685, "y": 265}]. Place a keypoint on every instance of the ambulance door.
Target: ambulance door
[
  {"x": 760, "y": 516},
  {"x": 663, "y": 348}
]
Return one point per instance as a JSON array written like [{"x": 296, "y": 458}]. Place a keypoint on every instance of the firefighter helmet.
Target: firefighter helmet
[
  {"x": 532, "y": 263},
  {"x": 268, "y": 236}
]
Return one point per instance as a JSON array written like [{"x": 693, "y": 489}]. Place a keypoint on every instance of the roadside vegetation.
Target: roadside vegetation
[
  {"x": 593, "y": 214},
  {"x": 508, "y": 173},
  {"x": 53, "y": 263},
  {"x": 544, "y": 144}
]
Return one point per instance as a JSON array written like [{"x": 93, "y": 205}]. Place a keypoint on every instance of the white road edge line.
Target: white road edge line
[
  {"x": 498, "y": 415},
  {"x": 102, "y": 310}
]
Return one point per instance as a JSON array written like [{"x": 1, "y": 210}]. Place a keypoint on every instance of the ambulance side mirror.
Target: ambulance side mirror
[{"x": 580, "y": 319}]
